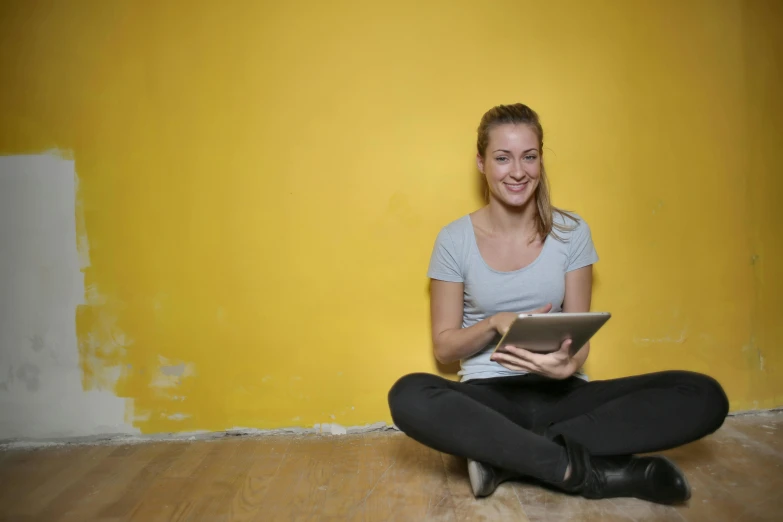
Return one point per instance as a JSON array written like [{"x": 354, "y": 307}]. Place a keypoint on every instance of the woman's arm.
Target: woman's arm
[
  {"x": 451, "y": 342},
  {"x": 578, "y": 296},
  {"x": 560, "y": 364}
]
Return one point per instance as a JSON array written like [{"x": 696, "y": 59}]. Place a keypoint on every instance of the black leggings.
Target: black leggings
[{"x": 509, "y": 422}]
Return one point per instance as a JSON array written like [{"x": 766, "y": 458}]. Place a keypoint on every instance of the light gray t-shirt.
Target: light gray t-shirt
[{"x": 456, "y": 258}]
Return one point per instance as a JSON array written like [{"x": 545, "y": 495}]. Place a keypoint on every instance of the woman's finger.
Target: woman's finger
[
  {"x": 525, "y": 355},
  {"x": 515, "y": 367},
  {"x": 566, "y": 345},
  {"x": 508, "y": 359}
]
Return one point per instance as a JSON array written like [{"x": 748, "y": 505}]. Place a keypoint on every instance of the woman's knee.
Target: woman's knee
[
  {"x": 408, "y": 397},
  {"x": 717, "y": 401},
  {"x": 713, "y": 404}
]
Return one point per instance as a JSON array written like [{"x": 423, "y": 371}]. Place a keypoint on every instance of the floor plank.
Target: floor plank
[
  {"x": 248, "y": 501},
  {"x": 735, "y": 474},
  {"x": 23, "y": 471},
  {"x": 53, "y": 490},
  {"x": 103, "y": 485},
  {"x": 504, "y": 504}
]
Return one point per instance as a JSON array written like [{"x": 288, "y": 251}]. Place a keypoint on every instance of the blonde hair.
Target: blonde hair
[{"x": 520, "y": 114}]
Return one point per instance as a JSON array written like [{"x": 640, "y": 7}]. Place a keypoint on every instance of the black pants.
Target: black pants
[{"x": 509, "y": 422}]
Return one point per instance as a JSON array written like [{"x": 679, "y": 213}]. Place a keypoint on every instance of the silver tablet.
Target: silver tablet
[{"x": 545, "y": 333}]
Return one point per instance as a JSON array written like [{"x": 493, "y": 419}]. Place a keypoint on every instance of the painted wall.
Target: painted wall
[{"x": 259, "y": 188}]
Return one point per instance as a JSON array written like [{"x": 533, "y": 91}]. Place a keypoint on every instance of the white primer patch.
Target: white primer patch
[
  {"x": 171, "y": 373},
  {"x": 647, "y": 340},
  {"x": 41, "y": 284}
]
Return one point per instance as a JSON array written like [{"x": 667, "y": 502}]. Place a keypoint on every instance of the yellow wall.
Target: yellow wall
[{"x": 260, "y": 185}]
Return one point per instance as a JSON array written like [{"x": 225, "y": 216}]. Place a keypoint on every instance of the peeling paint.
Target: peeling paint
[
  {"x": 170, "y": 375},
  {"x": 646, "y": 340},
  {"x": 201, "y": 435},
  {"x": 178, "y": 370},
  {"x": 102, "y": 342},
  {"x": 140, "y": 416},
  {"x": 338, "y": 430}
]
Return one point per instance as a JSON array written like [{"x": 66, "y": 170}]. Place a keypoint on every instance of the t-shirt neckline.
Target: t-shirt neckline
[{"x": 475, "y": 246}]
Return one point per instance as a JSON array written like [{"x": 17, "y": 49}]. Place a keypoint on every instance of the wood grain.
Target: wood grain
[{"x": 736, "y": 474}]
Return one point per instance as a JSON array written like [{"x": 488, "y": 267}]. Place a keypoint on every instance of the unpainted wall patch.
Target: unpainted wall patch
[
  {"x": 668, "y": 339},
  {"x": 9, "y": 380},
  {"x": 170, "y": 373},
  {"x": 46, "y": 255},
  {"x": 176, "y": 370},
  {"x": 29, "y": 374},
  {"x": 37, "y": 343}
]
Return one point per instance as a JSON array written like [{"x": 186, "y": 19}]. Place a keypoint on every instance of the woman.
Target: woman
[{"x": 519, "y": 414}]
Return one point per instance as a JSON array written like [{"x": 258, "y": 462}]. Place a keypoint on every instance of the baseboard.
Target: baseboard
[{"x": 325, "y": 429}]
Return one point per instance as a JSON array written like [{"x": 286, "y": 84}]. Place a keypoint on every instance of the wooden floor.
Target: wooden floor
[{"x": 735, "y": 474}]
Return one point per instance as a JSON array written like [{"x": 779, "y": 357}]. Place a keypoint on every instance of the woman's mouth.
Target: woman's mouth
[{"x": 515, "y": 187}]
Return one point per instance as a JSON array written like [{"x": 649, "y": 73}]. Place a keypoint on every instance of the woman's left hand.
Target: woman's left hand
[{"x": 556, "y": 365}]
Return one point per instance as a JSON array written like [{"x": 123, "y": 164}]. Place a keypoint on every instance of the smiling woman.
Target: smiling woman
[
  {"x": 511, "y": 158},
  {"x": 513, "y": 170},
  {"x": 516, "y": 413}
]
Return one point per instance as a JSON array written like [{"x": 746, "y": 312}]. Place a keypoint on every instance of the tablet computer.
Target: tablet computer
[{"x": 544, "y": 333}]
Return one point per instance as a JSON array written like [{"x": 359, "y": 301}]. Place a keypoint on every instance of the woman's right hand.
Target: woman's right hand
[{"x": 502, "y": 321}]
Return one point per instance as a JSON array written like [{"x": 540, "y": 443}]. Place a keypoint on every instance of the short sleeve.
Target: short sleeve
[
  {"x": 444, "y": 264},
  {"x": 581, "y": 251}
]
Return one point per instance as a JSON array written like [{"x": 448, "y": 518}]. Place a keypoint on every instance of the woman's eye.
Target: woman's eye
[
  {"x": 530, "y": 157},
  {"x": 501, "y": 158}
]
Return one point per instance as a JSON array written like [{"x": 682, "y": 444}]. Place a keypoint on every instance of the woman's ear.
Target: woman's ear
[{"x": 480, "y": 163}]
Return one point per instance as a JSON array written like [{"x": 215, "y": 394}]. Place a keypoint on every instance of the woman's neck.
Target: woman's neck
[{"x": 505, "y": 220}]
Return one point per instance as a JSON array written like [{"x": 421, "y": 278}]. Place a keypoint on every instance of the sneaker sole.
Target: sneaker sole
[{"x": 478, "y": 479}]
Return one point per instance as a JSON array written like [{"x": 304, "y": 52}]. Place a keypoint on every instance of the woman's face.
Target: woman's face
[{"x": 511, "y": 164}]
